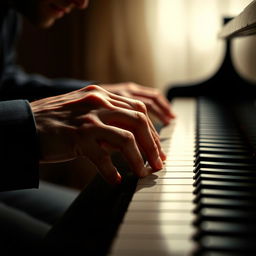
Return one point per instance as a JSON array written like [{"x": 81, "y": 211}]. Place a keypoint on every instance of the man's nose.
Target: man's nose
[{"x": 80, "y": 3}]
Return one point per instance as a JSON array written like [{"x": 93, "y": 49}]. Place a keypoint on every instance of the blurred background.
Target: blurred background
[{"x": 155, "y": 43}]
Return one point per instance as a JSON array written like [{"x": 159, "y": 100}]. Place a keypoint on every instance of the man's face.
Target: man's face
[{"x": 43, "y": 13}]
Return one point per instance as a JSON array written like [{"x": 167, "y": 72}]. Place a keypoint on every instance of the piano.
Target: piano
[{"x": 203, "y": 202}]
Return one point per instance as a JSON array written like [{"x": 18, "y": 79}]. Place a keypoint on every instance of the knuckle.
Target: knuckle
[
  {"x": 94, "y": 98},
  {"x": 130, "y": 85},
  {"x": 127, "y": 137},
  {"x": 156, "y": 93},
  {"x": 89, "y": 124},
  {"x": 97, "y": 99},
  {"x": 89, "y": 118},
  {"x": 140, "y": 106},
  {"x": 91, "y": 96},
  {"x": 141, "y": 118},
  {"x": 92, "y": 87}
]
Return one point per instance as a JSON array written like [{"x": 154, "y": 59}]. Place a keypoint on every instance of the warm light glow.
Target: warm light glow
[{"x": 184, "y": 37}]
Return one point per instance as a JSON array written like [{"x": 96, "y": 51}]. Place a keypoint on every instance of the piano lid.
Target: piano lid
[{"x": 242, "y": 25}]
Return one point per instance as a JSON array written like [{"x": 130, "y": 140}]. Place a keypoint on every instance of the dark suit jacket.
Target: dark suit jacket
[{"x": 19, "y": 148}]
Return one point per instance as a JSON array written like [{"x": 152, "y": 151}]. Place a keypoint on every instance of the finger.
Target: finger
[
  {"x": 157, "y": 98},
  {"x": 154, "y": 109},
  {"x": 136, "y": 105},
  {"x": 136, "y": 122},
  {"x": 120, "y": 104},
  {"x": 161, "y": 152},
  {"x": 139, "y": 106},
  {"x": 98, "y": 155},
  {"x": 124, "y": 141},
  {"x": 103, "y": 162}
]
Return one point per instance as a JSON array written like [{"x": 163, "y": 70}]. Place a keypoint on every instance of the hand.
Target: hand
[
  {"x": 155, "y": 102},
  {"x": 92, "y": 122}
]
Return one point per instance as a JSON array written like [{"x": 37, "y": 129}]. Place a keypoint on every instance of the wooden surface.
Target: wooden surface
[{"x": 242, "y": 25}]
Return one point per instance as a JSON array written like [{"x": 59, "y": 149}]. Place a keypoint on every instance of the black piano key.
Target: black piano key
[
  {"x": 205, "y": 129},
  {"x": 227, "y": 194},
  {"x": 215, "y": 141},
  {"x": 215, "y": 124},
  {"x": 217, "y": 177},
  {"x": 218, "y": 137},
  {"x": 222, "y": 228},
  {"x": 224, "y": 172},
  {"x": 223, "y": 151},
  {"x": 221, "y": 203},
  {"x": 216, "y": 253},
  {"x": 221, "y": 145},
  {"x": 238, "y": 246},
  {"x": 224, "y": 165},
  {"x": 226, "y": 215},
  {"x": 211, "y": 131},
  {"x": 224, "y": 185},
  {"x": 224, "y": 158}
]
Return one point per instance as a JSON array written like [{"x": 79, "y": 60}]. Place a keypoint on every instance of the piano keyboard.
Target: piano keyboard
[{"x": 203, "y": 201}]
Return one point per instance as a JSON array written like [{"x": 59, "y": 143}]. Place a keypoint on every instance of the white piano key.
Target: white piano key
[
  {"x": 178, "y": 149},
  {"x": 161, "y": 206},
  {"x": 165, "y": 131},
  {"x": 165, "y": 181},
  {"x": 186, "y": 141},
  {"x": 156, "y": 230},
  {"x": 158, "y": 217},
  {"x": 180, "y": 146},
  {"x": 177, "y": 169},
  {"x": 179, "y": 158},
  {"x": 151, "y": 247},
  {"x": 160, "y": 197},
  {"x": 178, "y": 163},
  {"x": 180, "y": 154},
  {"x": 173, "y": 175},
  {"x": 164, "y": 188},
  {"x": 169, "y": 174}
]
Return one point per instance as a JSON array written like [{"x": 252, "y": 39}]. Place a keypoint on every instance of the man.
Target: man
[{"x": 47, "y": 121}]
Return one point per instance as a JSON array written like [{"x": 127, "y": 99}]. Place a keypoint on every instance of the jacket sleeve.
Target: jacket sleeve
[
  {"x": 19, "y": 154},
  {"x": 17, "y": 84}
]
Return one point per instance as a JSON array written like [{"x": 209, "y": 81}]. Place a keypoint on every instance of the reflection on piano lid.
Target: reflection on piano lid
[{"x": 243, "y": 25}]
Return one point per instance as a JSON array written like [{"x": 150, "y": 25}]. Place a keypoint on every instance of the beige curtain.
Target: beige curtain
[{"x": 156, "y": 42}]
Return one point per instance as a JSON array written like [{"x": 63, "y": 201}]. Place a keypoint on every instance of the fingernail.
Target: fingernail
[
  {"x": 118, "y": 178},
  {"x": 162, "y": 155},
  {"x": 159, "y": 163},
  {"x": 146, "y": 171}
]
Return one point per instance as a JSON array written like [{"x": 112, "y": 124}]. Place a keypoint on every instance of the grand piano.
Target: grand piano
[{"x": 203, "y": 202}]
